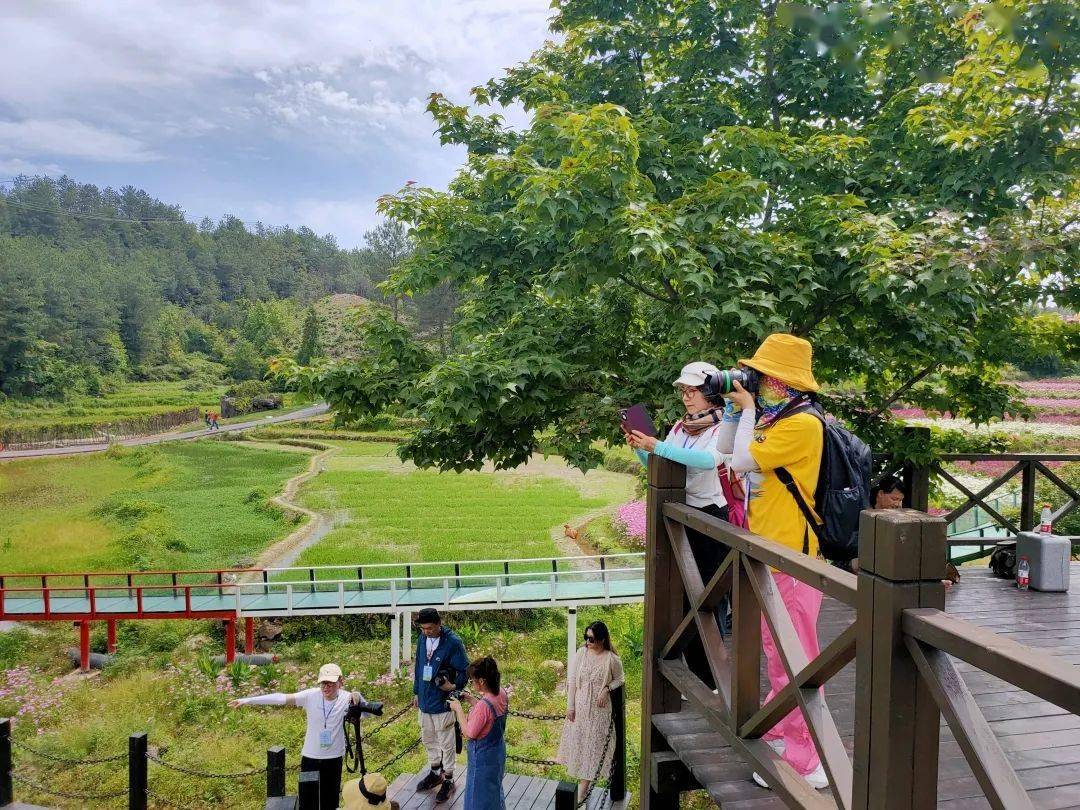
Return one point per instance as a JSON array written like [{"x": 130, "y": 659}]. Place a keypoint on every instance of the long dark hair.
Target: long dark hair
[
  {"x": 601, "y": 634},
  {"x": 487, "y": 669}
]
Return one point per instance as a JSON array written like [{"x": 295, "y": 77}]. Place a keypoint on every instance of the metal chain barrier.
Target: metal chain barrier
[
  {"x": 548, "y": 717},
  {"x": 22, "y": 780},
  {"x": 385, "y": 723},
  {"x": 600, "y": 766},
  {"x": 529, "y": 761},
  {"x": 204, "y": 774},
  {"x": 595, "y": 781},
  {"x": 65, "y": 760},
  {"x": 413, "y": 746}
]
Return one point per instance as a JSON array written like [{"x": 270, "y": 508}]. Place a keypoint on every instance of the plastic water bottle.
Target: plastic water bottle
[
  {"x": 1045, "y": 520},
  {"x": 1023, "y": 574}
]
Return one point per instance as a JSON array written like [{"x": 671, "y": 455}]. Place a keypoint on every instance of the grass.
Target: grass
[
  {"x": 155, "y": 685},
  {"x": 389, "y": 512},
  {"x": 184, "y": 505},
  {"x": 212, "y": 494}
]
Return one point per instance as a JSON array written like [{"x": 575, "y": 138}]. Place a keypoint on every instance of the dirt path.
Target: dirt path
[{"x": 285, "y": 552}]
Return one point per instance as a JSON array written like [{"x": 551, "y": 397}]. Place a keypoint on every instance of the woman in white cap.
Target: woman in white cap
[
  {"x": 693, "y": 442},
  {"x": 324, "y": 743}
]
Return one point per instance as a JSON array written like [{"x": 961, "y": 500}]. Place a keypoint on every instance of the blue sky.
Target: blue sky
[{"x": 298, "y": 113}]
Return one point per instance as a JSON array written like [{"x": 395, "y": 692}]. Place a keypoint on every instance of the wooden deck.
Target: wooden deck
[
  {"x": 522, "y": 793},
  {"x": 1041, "y": 740}
]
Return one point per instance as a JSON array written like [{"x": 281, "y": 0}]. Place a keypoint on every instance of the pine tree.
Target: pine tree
[{"x": 310, "y": 346}]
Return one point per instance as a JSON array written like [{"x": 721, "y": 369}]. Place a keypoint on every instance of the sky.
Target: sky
[{"x": 288, "y": 112}]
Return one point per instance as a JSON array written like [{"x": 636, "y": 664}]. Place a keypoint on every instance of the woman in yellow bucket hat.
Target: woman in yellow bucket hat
[{"x": 775, "y": 430}]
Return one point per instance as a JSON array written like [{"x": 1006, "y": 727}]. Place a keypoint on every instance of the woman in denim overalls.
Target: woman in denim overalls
[{"x": 485, "y": 730}]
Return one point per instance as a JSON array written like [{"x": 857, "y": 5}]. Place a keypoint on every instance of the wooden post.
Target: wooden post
[
  {"x": 230, "y": 640},
  {"x": 308, "y": 790},
  {"x": 406, "y": 636},
  {"x": 7, "y": 789},
  {"x": 617, "y": 784},
  {"x": 275, "y": 772},
  {"x": 249, "y": 636},
  {"x": 566, "y": 796},
  {"x": 917, "y": 478},
  {"x": 901, "y": 565},
  {"x": 110, "y": 635},
  {"x": 1027, "y": 497},
  {"x": 137, "y": 771},
  {"x": 663, "y": 612},
  {"x": 84, "y": 645}
]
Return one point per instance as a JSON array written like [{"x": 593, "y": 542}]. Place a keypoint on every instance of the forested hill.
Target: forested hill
[{"x": 101, "y": 285}]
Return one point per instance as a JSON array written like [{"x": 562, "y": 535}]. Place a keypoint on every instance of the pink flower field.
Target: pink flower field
[{"x": 1056, "y": 402}]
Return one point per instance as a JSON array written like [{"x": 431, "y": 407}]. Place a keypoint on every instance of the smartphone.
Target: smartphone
[{"x": 636, "y": 418}]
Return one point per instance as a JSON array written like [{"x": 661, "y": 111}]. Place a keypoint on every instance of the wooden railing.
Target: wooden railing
[
  {"x": 1028, "y": 466},
  {"x": 899, "y": 640}
]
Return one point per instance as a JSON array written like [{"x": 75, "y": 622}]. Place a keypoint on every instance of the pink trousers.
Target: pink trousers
[{"x": 803, "y": 603}]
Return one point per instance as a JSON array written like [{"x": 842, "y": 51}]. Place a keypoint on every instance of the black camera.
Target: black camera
[
  {"x": 361, "y": 707},
  {"x": 748, "y": 378}
]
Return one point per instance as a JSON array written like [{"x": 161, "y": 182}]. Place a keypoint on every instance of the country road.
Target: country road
[{"x": 158, "y": 438}]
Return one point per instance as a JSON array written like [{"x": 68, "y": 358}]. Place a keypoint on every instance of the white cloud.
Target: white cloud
[
  {"x": 347, "y": 219},
  {"x": 70, "y": 138},
  {"x": 243, "y": 103},
  {"x": 15, "y": 166}
]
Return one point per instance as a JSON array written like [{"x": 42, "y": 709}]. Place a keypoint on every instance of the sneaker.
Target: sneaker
[
  {"x": 431, "y": 780},
  {"x": 445, "y": 789},
  {"x": 816, "y": 778}
]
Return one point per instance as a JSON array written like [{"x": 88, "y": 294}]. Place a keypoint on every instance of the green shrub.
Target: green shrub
[{"x": 12, "y": 646}]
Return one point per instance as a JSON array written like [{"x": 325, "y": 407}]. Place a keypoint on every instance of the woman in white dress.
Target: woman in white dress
[{"x": 594, "y": 671}]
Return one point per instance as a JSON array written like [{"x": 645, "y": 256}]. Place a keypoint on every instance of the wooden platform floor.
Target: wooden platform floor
[
  {"x": 521, "y": 792},
  {"x": 1041, "y": 740}
]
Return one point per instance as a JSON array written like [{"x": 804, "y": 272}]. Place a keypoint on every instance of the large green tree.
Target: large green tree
[{"x": 896, "y": 182}]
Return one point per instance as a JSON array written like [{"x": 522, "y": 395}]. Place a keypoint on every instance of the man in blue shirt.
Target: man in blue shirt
[{"x": 440, "y": 668}]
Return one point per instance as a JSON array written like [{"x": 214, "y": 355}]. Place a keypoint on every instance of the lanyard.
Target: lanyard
[
  {"x": 430, "y": 651},
  {"x": 691, "y": 439},
  {"x": 326, "y": 714}
]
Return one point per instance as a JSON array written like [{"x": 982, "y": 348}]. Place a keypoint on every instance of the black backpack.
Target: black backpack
[{"x": 843, "y": 487}]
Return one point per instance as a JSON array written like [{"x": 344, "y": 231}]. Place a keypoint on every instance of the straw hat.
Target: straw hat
[
  {"x": 788, "y": 359},
  {"x": 374, "y": 786}
]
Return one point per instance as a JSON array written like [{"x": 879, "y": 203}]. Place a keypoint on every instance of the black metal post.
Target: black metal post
[
  {"x": 7, "y": 790},
  {"x": 137, "y": 771},
  {"x": 275, "y": 771},
  {"x": 617, "y": 788},
  {"x": 308, "y": 790},
  {"x": 566, "y": 796}
]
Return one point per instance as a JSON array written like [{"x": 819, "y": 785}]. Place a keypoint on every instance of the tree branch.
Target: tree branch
[
  {"x": 903, "y": 389},
  {"x": 646, "y": 291},
  {"x": 673, "y": 295}
]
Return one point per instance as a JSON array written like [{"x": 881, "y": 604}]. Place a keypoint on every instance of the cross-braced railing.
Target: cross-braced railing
[
  {"x": 1028, "y": 467},
  {"x": 900, "y": 640}
]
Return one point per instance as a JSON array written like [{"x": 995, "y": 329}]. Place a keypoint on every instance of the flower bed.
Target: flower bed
[{"x": 629, "y": 521}]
